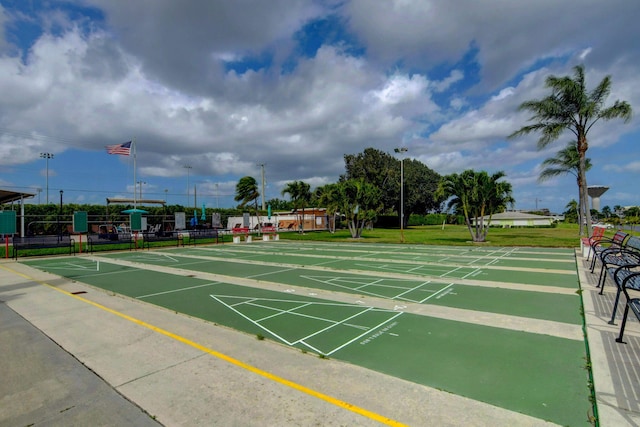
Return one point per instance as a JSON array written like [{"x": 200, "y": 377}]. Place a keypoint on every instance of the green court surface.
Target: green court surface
[{"x": 541, "y": 375}]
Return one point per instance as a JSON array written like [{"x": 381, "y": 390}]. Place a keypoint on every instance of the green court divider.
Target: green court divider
[
  {"x": 8, "y": 222},
  {"x": 80, "y": 222},
  {"x": 80, "y": 226},
  {"x": 7, "y": 227},
  {"x": 135, "y": 220}
]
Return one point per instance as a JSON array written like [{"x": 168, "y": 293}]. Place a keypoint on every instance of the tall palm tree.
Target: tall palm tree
[
  {"x": 566, "y": 161},
  {"x": 570, "y": 107},
  {"x": 247, "y": 192},
  {"x": 300, "y": 194}
]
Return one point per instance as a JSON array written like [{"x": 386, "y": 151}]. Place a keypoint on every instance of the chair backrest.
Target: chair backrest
[
  {"x": 619, "y": 238},
  {"x": 633, "y": 244},
  {"x": 598, "y": 233}
]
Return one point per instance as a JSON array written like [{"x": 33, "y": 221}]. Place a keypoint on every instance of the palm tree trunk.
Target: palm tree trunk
[{"x": 582, "y": 150}]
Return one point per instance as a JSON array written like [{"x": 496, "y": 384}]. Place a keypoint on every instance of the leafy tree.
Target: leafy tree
[
  {"x": 378, "y": 168},
  {"x": 566, "y": 161},
  {"x": 279, "y": 204},
  {"x": 247, "y": 192},
  {"x": 606, "y": 212},
  {"x": 570, "y": 107},
  {"x": 300, "y": 194},
  {"x": 383, "y": 170},
  {"x": 476, "y": 195}
]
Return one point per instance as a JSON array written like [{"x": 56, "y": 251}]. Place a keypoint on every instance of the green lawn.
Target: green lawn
[{"x": 564, "y": 235}]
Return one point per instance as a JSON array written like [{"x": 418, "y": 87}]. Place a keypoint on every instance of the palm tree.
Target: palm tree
[
  {"x": 571, "y": 108},
  {"x": 357, "y": 200},
  {"x": 300, "y": 194},
  {"x": 566, "y": 161},
  {"x": 476, "y": 195},
  {"x": 328, "y": 197},
  {"x": 571, "y": 210},
  {"x": 247, "y": 192}
]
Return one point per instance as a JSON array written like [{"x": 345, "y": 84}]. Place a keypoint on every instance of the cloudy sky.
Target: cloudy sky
[{"x": 226, "y": 86}]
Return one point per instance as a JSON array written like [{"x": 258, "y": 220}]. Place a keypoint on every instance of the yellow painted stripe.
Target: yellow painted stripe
[{"x": 258, "y": 371}]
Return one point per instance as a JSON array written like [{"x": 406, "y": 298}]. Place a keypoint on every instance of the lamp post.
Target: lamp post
[
  {"x": 59, "y": 215},
  {"x": 47, "y": 156},
  {"x": 401, "y": 150},
  {"x": 188, "y": 168},
  {"x": 262, "y": 170},
  {"x": 140, "y": 193}
]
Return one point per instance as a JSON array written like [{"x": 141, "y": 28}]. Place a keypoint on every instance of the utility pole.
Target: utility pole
[
  {"x": 188, "y": 168},
  {"x": 401, "y": 151},
  {"x": 262, "y": 170},
  {"x": 47, "y": 156}
]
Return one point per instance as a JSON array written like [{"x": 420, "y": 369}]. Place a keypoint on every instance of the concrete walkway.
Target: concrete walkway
[{"x": 75, "y": 355}]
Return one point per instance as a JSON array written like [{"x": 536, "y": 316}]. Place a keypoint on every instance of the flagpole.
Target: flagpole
[{"x": 133, "y": 143}]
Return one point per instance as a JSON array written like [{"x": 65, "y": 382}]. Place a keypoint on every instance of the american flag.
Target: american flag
[{"x": 122, "y": 149}]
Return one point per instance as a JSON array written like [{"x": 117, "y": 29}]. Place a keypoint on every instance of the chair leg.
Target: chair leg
[
  {"x": 601, "y": 279},
  {"x": 593, "y": 261},
  {"x": 612, "y": 321},
  {"x": 624, "y": 323}
]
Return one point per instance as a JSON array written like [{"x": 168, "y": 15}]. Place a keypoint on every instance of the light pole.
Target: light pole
[
  {"x": 217, "y": 195},
  {"x": 140, "y": 193},
  {"x": 401, "y": 150},
  {"x": 47, "y": 156},
  {"x": 262, "y": 169},
  {"x": 59, "y": 215},
  {"x": 188, "y": 168},
  {"x": 39, "y": 190}
]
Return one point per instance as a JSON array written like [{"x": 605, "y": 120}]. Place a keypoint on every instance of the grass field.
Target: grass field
[{"x": 562, "y": 236}]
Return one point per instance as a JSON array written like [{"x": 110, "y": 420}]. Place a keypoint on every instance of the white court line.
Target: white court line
[
  {"x": 336, "y": 324},
  {"x": 178, "y": 290},
  {"x": 251, "y": 320},
  {"x": 437, "y": 293},
  {"x": 363, "y": 334},
  {"x": 281, "y": 312},
  {"x": 412, "y": 289},
  {"x": 450, "y": 271},
  {"x": 302, "y": 340}
]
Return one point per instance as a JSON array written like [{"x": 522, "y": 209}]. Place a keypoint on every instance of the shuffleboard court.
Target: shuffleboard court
[
  {"x": 538, "y": 374},
  {"x": 538, "y": 305}
]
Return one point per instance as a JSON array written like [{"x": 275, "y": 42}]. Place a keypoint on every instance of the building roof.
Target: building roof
[
  {"x": 517, "y": 215},
  {"x": 7, "y": 196}
]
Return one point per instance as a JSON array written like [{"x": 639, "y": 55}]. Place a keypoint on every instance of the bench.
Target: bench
[
  {"x": 123, "y": 238},
  {"x": 591, "y": 241},
  {"x": 626, "y": 277},
  {"x": 617, "y": 241},
  {"x": 195, "y": 235},
  {"x": 43, "y": 242},
  {"x": 614, "y": 257},
  {"x": 634, "y": 305},
  {"x": 149, "y": 237}
]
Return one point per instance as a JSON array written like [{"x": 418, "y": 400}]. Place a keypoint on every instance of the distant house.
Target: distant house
[{"x": 519, "y": 219}]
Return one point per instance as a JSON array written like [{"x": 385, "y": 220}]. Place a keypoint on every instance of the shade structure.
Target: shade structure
[{"x": 135, "y": 210}]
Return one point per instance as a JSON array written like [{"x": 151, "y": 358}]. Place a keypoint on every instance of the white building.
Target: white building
[{"x": 519, "y": 219}]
